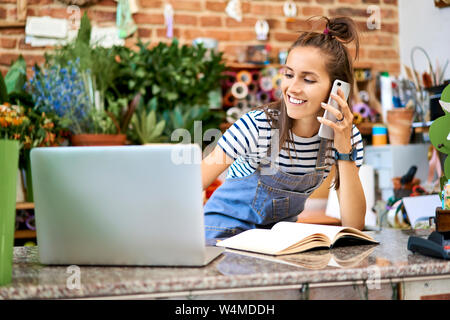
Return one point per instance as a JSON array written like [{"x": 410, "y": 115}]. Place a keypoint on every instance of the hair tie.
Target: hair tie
[{"x": 326, "y": 30}]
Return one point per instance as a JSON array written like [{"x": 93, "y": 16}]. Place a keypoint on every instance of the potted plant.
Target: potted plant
[
  {"x": 90, "y": 106},
  {"x": 179, "y": 78},
  {"x": 145, "y": 127}
]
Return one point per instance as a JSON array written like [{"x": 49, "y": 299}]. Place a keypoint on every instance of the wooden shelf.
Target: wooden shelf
[
  {"x": 24, "y": 205},
  {"x": 238, "y": 65},
  {"x": 24, "y": 234},
  {"x": 366, "y": 127}
]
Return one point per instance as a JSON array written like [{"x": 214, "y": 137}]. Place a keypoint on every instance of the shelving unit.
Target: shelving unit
[{"x": 24, "y": 234}]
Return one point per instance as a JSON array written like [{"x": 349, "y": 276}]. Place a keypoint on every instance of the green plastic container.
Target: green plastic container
[{"x": 9, "y": 163}]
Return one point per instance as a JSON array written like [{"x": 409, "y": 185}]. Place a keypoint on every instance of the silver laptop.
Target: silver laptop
[{"x": 124, "y": 205}]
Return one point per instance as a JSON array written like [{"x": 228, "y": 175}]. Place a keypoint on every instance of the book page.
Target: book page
[
  {"x": 261, "y": 240},
  {"x": 304, "y": 230}
]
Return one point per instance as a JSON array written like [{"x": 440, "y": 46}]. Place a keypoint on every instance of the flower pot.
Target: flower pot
[
  {"x": 399, "y": 122},
  {"x": 98, "y": 139},
  {"x": 9, "y": 164}
]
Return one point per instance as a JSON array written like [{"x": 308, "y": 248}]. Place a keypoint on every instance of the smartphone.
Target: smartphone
[{"x": 324, "y": 130}]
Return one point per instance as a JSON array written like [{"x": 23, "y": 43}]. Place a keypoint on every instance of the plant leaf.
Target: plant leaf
[{"x": 3, "y": 91}]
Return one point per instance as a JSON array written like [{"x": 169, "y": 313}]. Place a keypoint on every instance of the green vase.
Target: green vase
[{"x": 9, "y": 163}]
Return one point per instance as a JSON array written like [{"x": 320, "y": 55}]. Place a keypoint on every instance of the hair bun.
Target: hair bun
[{"x": 343, "y": 28}]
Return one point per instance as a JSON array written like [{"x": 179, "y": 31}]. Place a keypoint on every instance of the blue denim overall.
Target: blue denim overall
[{"x": 265, "y": 197}]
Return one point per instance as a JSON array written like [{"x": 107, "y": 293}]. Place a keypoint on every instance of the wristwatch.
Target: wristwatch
[{"x": 346, "y": 156}]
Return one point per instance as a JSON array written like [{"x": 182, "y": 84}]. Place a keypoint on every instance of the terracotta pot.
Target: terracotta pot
[
  {"x": 399, "y": 123},
  {"x": 98, "y": 139}
]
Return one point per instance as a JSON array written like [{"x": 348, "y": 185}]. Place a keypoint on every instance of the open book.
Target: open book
[{"x": 293, "y": 237}]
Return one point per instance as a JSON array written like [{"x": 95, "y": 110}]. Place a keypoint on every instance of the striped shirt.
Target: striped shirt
[{"x": 248, "y": 139}]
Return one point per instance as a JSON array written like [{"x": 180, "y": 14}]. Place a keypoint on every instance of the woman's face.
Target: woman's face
[{"x": 305, "y": 83}]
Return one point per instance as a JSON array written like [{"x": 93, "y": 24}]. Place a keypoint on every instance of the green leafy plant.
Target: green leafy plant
[
  {"x": 440, "y": 133},
  {"x": 178, "y": 77},
  {"x": 144, "y": 124}
]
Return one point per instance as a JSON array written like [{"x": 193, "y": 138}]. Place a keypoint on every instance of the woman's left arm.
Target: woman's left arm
[{"x": 352, "y": 201}]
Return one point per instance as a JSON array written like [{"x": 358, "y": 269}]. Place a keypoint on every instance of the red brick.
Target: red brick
[
  {"x": 12, "y": 30},
  {"x": 8, "y": 43},
  {"x": 312, "y": 11},
  {"x": 298, "y": 25},
  {"x": 389, "y": 14},
  {"x": 190, "y": 34},
  {"x": 151, "y": 4},
  {"x": 107, "y": 3},
  {"x": 246, "y": 22},
  {"x": 285, "y": 36},
  {"x": 144, "y": 32},
  {"x": 185, "y": 19},
  {"x": 39, "y": 2},
  {"x": 183, "y": 5},
  {"x": 350, "y": 1},
  {"x": 347, "y": 11},
  {"x": 146, "y": 18},
  {"x": 380, "y": 53},
  {"x": 32, "y": 59},
  {"x": 162, "y": 32},
  {"x": 377, "y": 39},
  {"x": 7, "y": 58},
  {"x": 218, "y": 6},
  {"x": 103, "y": 16},
  {"x": 211, "y": 21},
  {"x": 389, "y": 27},
  {"x": 266, "y": 10}
]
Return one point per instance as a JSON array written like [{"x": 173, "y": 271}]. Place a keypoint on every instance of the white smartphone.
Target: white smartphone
[{"x": 324, "y": 130}]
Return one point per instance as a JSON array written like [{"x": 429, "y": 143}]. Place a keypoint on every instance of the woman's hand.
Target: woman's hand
[{"x": 343, "y": 127}]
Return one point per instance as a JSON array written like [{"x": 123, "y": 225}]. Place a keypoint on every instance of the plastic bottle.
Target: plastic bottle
[
  {"x": 386, "y": 93},
  {"x": 379, "y": 135}
]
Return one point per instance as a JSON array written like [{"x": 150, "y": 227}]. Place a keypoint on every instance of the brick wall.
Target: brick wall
[{"x": 207, "y": 18}]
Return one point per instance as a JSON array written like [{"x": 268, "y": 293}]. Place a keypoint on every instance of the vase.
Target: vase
[
  {"x": 9, "y": 164},
  {"x": 399, "y": 122},
  {"x": 89, "y": 139}
]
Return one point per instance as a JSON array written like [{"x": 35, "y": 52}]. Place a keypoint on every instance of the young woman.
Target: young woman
[{"x": 277, "y": 158}]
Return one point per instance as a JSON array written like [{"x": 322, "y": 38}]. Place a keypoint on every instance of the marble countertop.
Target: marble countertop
[{"x": 233, "y": 269}]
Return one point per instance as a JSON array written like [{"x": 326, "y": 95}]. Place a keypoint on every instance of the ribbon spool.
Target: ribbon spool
[
  {"x": 277, "y": 93},
  {"x": 228, "y": 100},
  {"x": 230, "y": 78},
  {"x": 271, "y": 72},
  {"x": 263, "y": 97},
  {"x": 242, "y": 105},
  {"x": 239, "y": 90},
  {"x": 244, "y": 76},
  {"x": 276, "y": 81},
  {"x": 363, "y": 109},
  {"x": 256, "y": 75},
  {"x": 252, "y": 87},
  {"x": 233, "y": 114},
  {"x": 266, "y": 83}
]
